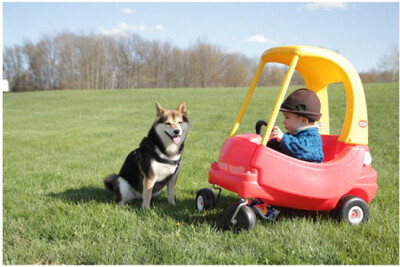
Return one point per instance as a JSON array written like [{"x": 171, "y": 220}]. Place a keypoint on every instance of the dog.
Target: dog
[{"x": 155, "y": 163}]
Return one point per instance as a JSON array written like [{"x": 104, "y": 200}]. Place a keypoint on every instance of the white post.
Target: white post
[{"x": 5, "y": 87}]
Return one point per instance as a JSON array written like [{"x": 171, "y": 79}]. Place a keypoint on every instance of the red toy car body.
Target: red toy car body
[{"x": 254, "y": 171}]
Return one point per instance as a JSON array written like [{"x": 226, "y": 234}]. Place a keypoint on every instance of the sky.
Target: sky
[{"x": 361, "y": 32}]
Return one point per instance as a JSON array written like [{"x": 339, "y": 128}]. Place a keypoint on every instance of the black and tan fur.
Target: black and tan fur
[{"x": 155, "y": 163}]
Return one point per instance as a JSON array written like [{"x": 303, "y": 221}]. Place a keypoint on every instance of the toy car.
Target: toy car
[{"x": 343, "y": 184}]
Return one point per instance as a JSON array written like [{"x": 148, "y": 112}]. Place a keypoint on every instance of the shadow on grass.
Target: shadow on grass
[
  {"x": 83, "y": 195},
  {"x": 313, "y": 215},
  {"x": 183, "y": 212},
  {"x": 185, "y": 209}
]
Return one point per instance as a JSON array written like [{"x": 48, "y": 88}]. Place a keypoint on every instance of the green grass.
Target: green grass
[{"x": 58, "y": 145}]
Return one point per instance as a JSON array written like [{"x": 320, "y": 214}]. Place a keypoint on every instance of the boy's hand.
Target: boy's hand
[{"x": 276, "y": 134}]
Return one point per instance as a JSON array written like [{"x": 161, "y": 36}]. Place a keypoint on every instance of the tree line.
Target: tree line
[{"x": 93, "y": 61}]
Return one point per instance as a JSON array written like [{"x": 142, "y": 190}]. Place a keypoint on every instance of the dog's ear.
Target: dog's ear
[
  {"x": 160, "y": 110},
  {"x": 182, "y": 108}
]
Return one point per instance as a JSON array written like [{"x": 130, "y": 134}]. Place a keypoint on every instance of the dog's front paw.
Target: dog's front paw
[
  {"x": 145, "y": 206},
  {"x": 171, "y": 201}
]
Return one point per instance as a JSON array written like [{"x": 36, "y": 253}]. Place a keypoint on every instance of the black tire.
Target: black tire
[
  {"x": 259, "y": 124},
  {"x": 245, "y": 219},
  {"x": 351, "y": 209},
  {"x": 205, "y": 199}
]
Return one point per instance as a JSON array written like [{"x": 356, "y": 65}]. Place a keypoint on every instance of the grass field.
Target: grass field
[{"x": 58, "y": 145}]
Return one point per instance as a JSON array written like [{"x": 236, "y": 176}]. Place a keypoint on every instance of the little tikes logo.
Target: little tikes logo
[{"x": 363, "y": 124}]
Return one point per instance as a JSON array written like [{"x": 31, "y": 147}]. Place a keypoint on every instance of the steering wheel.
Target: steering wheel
[{"x": 259, "y": 124}]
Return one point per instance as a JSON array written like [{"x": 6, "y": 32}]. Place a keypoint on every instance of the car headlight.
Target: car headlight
[{"x": 367, "y": 159}]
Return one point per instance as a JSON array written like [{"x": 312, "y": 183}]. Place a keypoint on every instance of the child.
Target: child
[{"x": 301, "y": 110}]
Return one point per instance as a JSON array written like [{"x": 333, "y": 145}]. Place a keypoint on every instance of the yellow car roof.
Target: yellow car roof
[{"x": 319, "y": 68}]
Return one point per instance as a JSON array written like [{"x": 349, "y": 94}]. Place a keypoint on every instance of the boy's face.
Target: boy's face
[{"x": 293, "y": 122}]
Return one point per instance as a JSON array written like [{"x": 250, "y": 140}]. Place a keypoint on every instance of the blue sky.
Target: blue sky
[{"x": 362, "y": 32}]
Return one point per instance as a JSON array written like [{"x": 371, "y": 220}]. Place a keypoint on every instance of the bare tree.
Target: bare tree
[
  {"x": 390, "y": 62},
  {"x": 208, "y": 62},
  {"x": 236, "y": 71}
]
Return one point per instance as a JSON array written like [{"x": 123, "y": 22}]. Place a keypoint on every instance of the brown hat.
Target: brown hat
[{"x": 303, "y": 102}]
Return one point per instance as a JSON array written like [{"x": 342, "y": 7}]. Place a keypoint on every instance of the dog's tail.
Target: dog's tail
[{"x": 109, "y": 182}]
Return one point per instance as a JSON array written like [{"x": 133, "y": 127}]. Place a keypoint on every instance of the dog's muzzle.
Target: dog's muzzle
[{"x": 177, "y": 137}]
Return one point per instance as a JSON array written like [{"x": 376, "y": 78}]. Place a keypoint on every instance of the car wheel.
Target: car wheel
[
  {"x": 205, "y": 199},
  {"x": 245, "y": 219},
  {"x": 352, "y": 209}
]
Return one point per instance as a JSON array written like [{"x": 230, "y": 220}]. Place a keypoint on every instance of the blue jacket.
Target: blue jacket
[{"x": 305, "y": 145}]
